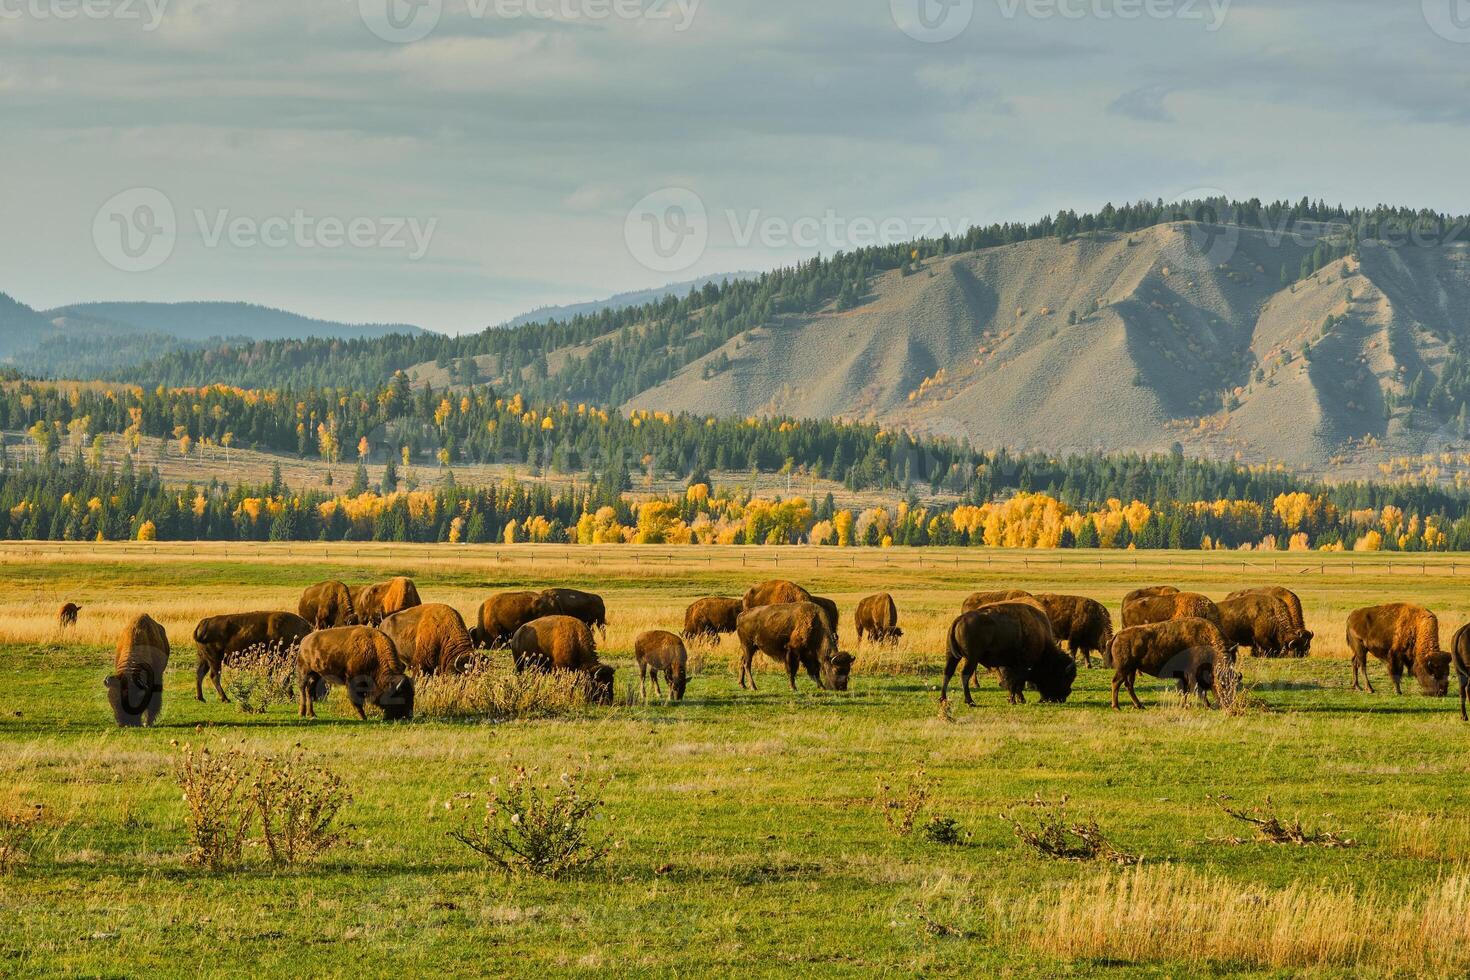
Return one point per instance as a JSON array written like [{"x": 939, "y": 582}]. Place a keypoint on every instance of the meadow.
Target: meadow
[{"x": 748, "y": 836}]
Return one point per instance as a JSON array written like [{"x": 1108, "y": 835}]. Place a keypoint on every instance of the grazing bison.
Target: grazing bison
[
  {"x": 1191, "y": 650},
  {"x": 135, "y": 688},
  {"x": 431, "y": 639},
  {"x": 779, "y": 592},
  {"x": 1401, "y": 635},
  {"x": 1015, "y": 639},
  {"x": 504, "y": 613},
  {"x": 68, "y": 615},
  {"x": 1148, "y": 592},
  {"x": 1293, "y": 605},
  {"x": 1179, "y": 605},
  {"x": 327, "y": 604},
  {"x": 1262, "y": 622},
  {"x": 1461, "y": 653},
  {"x": 1084, "y": 624},
  {"x": 797, "y": 635},
  {"x": 563, "y": 643},
  {"x": 361, "y": 659},
  {"x": 222, "y": 637},
  {"x": 706, "y": 620},
  {"x": 586, "y": 606},
  {"x": 877, "y": 617},
  {"x": 374, "y": 603},
  {"x": 660, "y": 652},
  {"x": 979, "y": 599}
]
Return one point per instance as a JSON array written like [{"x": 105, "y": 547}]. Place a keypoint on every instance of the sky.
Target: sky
[{"x": 451, "y": 163}]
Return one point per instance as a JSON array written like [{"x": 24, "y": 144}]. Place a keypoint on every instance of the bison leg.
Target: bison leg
[
  {"x": 745, "y": 662},
  {"x": 214, "y": 675},
  {"x": 308, "y": 684},
  {"x": 1360, "y": 662},
  {"x": 1465, "y": 696},
  {"x": 966, "y": 677},
  {"x": 199, "y": 679},
  {"x": 1396, "y": 674},
  {"x": 950, "y": 664},
  {"x": 793, "y": 664},
  {"x": 656, "y": 688},
  {"x": 643, "y": 675},
  {"x": 1117, "y": 683},
  {"x": 1131, "y": 693}
]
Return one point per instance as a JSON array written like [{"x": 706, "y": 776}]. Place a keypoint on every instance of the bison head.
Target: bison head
[
  {"x": 600, "y": 681},
  {"x": 397, "y": 700},
  {"x": 1299, "y": 642},
  {"x": 132, "y": 695},
  {"x": 1433, "y": 674},
  {"x": 1054, "y": 676},
  {"x": 836, "y": 670},
  {"x": 679, "y": 684}
]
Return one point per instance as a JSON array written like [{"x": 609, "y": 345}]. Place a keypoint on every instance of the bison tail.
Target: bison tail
[
  {"x": 952, "y": 644},
  {"x": 199, "y": 632}
]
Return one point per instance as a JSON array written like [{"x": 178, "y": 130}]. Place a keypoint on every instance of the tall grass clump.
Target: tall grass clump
[
  {"x": 493, "y": 692},
  {"x": 18, "y": 827},
  {"x": 534, "y": 826},
  {"x": 261, "y": 679}
]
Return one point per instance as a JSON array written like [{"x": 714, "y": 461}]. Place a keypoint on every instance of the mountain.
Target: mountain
[
  {"x": 19, "y": 324},
  {"x": 622, "y": 301}
]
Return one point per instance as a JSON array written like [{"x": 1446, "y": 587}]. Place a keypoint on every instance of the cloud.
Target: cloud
[{"x": 1145, "y": 104}]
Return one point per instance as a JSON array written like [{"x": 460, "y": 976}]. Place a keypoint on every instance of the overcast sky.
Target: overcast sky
[{"x": 374, "y": 160}]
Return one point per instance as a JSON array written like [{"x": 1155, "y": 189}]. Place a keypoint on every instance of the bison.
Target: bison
[
  {"x": 1162, "y": 608},
  {"x": 361, "y": 659},
  {"x": 779, "y": 592},
  {"x": 1461, "y": 652},
  {"x": 706, "y": 620},
  {"x": 222, "y": 637},
  {"x": 374, "y": 603},
  {"x": 661, "y": 652},
  {"x": 68, "y": 615},
  {"x": 586, "y": 606},
  {"x": 1401, "y": 635},
  {"x": 1190, "y": 650},
  {"x": 135, "y": 688},
  {"x": 327, "y": 604},
  {"x": 978, "y": 599},
  {"x": 797, "y": 635},
  {"x": 1148, "y": 592},
  {"x": 1015, "y": 639},
  {"x": 877, "y": 617},
  {"x": 431, "y": 639},
  {"x": 504, "y": 613},
  {"x": 562, "y": 643},
  {"x": 1293, "y": 605},
  {"x": 1262, "y": 622},
  {"x": 1084, "y": 624}
]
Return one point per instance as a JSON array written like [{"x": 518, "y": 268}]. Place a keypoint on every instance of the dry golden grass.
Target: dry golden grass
[{"x": 1430, "y": 837}]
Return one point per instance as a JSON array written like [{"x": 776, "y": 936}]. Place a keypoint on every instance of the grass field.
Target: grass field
[{"x": 748, "y": 836}]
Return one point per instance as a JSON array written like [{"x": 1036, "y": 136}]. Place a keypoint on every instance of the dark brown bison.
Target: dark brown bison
[
  {"x": 877, "y": 619},
  {"x": 781, "y": 592},
  {"x": 504, "y": 613},
  {"x": 563, "y": 643},
  {"x": 327, "y": 604},
  {"x": 1162, "y": 608},
  {"x": 706, "y": 620},
  {"x": 586, "y": 606},
  {"x": 1014, "y": 639},
  {"x": 1148, "y": 592},
  {"x": 361, "y": 659},
  {"x": 1190, "y": 650},
  {"x": 431, "y": 639},
  {"x": 220, "y": 638},
  {"x": 375, "y": 603},
  {"x": 1461, "y": 652},
  {"x": 1084, "y": 624},
  {"x": 135, "y": 688},
  {"x": 1262, "y": 622},
  {"x": 797, "y": 635},
  {"x": 1402, "y": 636},
  {"x": 68, "y": 615},
  {"x": 1293, "y": 607},
  {"x": 978, "y": 599},
  {"x": 661, "y": 652}
]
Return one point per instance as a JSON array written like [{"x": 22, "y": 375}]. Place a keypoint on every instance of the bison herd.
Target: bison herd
[{"x": 375, "y": 640}]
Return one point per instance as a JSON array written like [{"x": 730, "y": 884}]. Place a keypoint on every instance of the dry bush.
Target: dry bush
[
  {"x": 296, "y": 803},
  {"x": 1430, "y": 837},
  {"x": 538, "y": 827},
  {"x": 1168, "y": 914},
  {"x": 260, "y": 679},
  {"x": 218, "y": 804},
  {"x": 1271, "y": 829},
  {"x": 901, "y": 810},
  {"x": 494, "y": 692},
  {"x": 18, "y": 826},
  {"x": 1052, "y": 833}
]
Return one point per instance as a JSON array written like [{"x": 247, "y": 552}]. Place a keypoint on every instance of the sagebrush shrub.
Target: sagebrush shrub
[
  {"x": 217, "y": 804},
  {"x": 297, "y": 803},
  {"x": 529, "y": 825},
  {"x": 901, "y": 809},
  {"x": 257, "y": 680}
]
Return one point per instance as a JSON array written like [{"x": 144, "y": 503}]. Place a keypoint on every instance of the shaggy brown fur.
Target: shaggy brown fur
[
  {"x": 877, "y": 618},
  {"x": 1402, "y": 636},
  {"x": 586, "y": 606},
  {"x": 375, "y": 603},
  {"x": 979, "y": 599},
  {"x": 504, "y": 613},
  {"x": 1161, "y": 609},
  {"x": 1291, "y": 599},
  {"x": 1262, "y": 622},
  {"x": 1015, "y": 639},
  {"x": 1191, "y": 650},
  {"x": 68, "y": 615},
  {"x": 1461, "y": 653},
  {"x": 361, "y": 659},
  {"x": 661, "y": 652},
  {"x": 1148, "y": 592},
  {"x": 563, "y": 643},
  {"x": 781, "y": 592},
  {"x": 431, "y": 639},
  {"x": 135, "y": 688},
  {"x": 706, "y": 620},
  {"x": 327, "y": 604},
  {"x": 797, "y": 635},
  {"x": 1084, "y": 624},
  {"x": 222, "y": 637}
]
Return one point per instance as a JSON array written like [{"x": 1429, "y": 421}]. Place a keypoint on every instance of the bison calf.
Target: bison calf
[
  {"x": 661, "y": 652},
  {"x": 877, "y": 618},
  {"x": 706, "y": 620},
  {"x": 223, "y": 637},
  {"x": 1191, "y": 650},
  {"x": 1014, "y": 639},
  {"x": 563, "y": 643},
  {"x": 361, "y": 659},
  {"x": 135, "y": 689},
  {"x": 797, "y": 635},
  {"x": 68, "y": 615},
  {"x": 1402, "y": 636}
]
